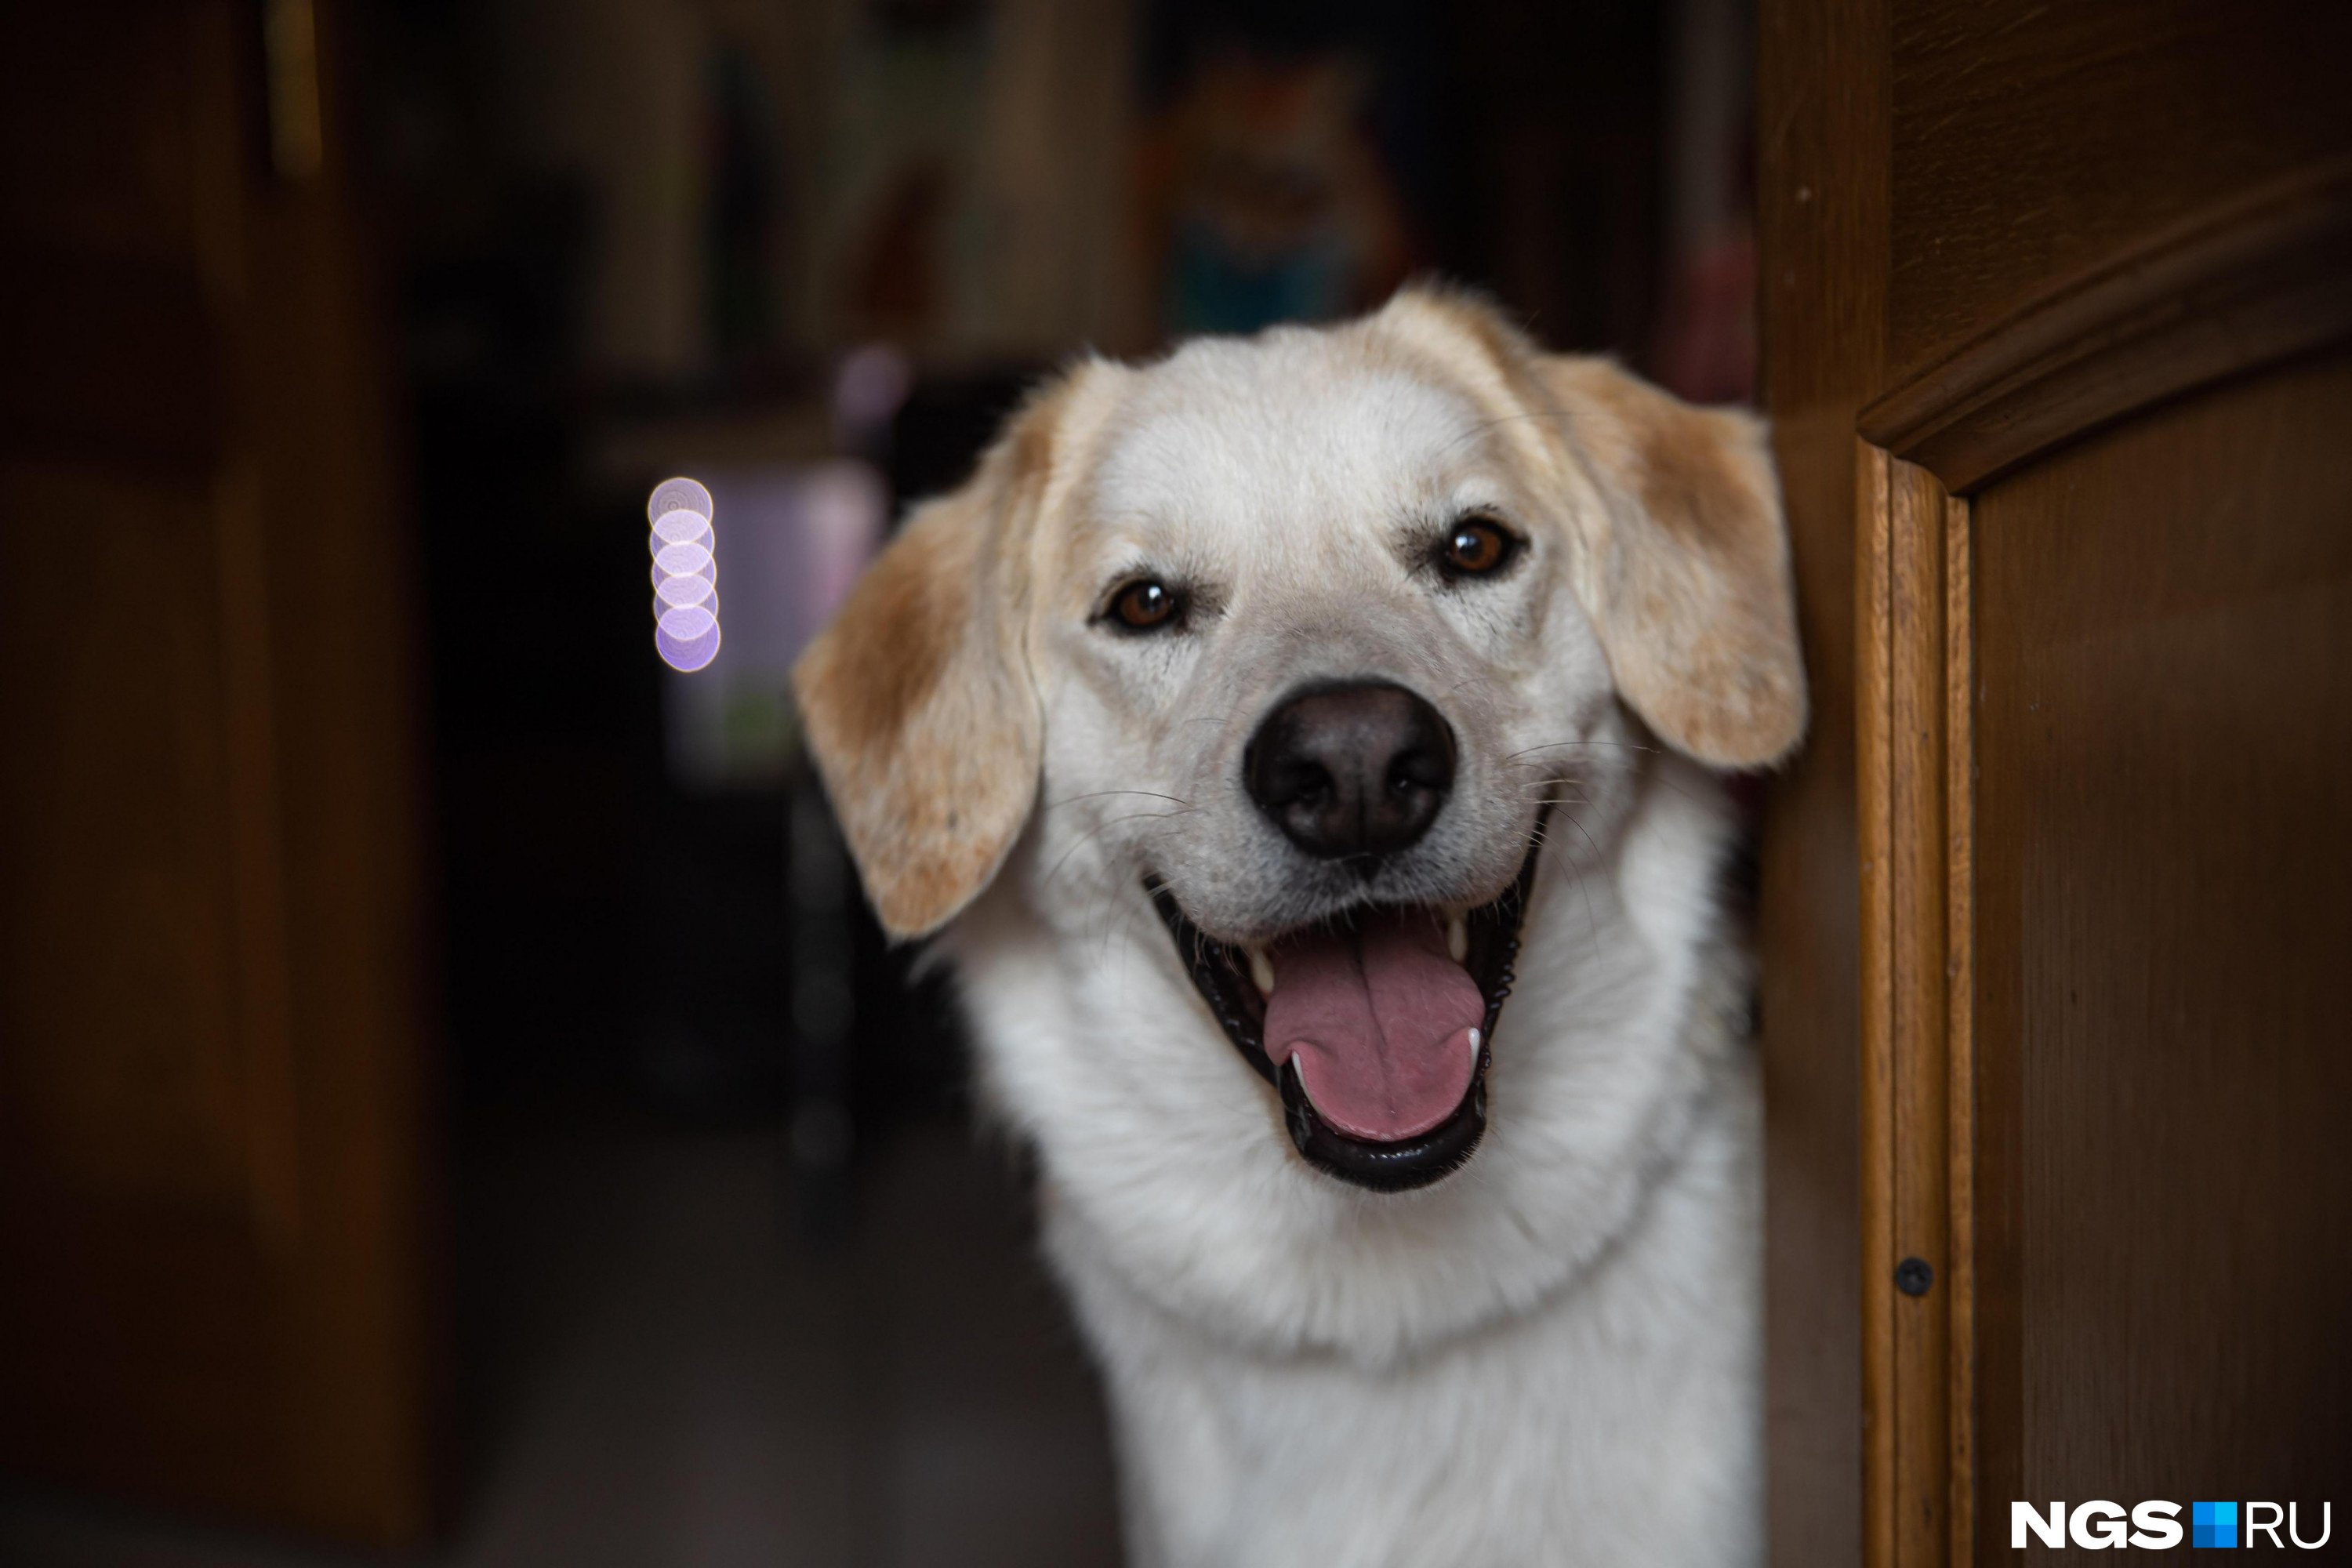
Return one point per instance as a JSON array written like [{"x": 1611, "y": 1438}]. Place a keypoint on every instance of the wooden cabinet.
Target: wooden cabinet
[
  {"x": 211, "y": 1163},
  {"x": 2058, "y": 322}
]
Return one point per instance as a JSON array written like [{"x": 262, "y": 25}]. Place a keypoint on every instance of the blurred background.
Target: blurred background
[{"x": 455, "y": 1101}]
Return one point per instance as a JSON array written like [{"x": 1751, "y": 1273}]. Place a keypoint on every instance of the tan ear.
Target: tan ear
[
  {"x": 917, "y": 700},
  {"x": 1686, "y": 576}
]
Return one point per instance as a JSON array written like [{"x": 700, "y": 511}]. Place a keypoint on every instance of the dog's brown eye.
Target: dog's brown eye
[
  {"x": 1145, "y": 606},
  {"x": 1476, "y": 546}
]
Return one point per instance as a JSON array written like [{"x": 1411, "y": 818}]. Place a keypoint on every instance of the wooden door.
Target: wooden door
[
  {"x": 2058, "y": 316},
  {"x": 210, "y": 1161}
]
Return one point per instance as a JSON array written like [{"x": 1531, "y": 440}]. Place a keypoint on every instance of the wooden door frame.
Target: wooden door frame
[
  {"x": 1912, "y": 726},
  {"x": 2241, "y": 286}
]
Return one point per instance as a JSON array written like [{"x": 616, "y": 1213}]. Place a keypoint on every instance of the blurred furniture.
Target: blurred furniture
[
  {"x": 212, "y": 1172},
  {"x": 2056, "y": 303}
]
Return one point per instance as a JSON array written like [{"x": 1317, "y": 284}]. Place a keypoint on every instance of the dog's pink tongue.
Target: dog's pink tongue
[{"x": 1380, "y": 1019}]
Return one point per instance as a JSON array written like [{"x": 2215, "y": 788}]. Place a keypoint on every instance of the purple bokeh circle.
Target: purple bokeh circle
[
  {"x": 687, "y": 622},
  {"x": 688, "y": 655},
  {"x": 682, "y": 559},
  {"x": 678, "y": 495},
  {"x": 685, "y": 590},
  {"x": 679, "y": 528},
  {"x": 685, "y": 575}
]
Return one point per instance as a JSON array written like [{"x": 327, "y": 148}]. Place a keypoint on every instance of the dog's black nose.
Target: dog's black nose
[{"x": 1347, "y": 770}]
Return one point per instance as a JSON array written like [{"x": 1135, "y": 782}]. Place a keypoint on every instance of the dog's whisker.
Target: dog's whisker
[
  {"x": 1557, "y": 745},
  {"x": 1101, "y": 827},
  {"x": 1100, "y": 794},
  {"x": 1591, "y": 918}
]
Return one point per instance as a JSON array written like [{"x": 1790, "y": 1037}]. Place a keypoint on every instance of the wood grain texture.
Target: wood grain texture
[
  {"x": 1920, "y": 1080},
  {"x": 2262, "y": 277},
  {"x": 1882, "y": 1384},
  {"x": 2032, "y": 141},
  {"x": 1959, "y": 1020},
  {"x": 1915, "y": 1405},
  {"x": 1822, "y": 214},
  {"x": 2049, "y": 231},
  {"x": 2164, "y": 650}
]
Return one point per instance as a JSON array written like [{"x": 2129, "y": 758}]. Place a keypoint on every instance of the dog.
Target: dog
[{"x": 1306, "y": 751}]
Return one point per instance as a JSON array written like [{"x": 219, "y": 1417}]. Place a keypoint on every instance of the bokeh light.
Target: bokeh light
[{"x": 685, "y": 575}]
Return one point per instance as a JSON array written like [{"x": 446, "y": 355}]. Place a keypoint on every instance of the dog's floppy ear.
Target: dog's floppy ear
[
  {"x": 917, "y": 700},
  {"x": 1686, "y": 576}
]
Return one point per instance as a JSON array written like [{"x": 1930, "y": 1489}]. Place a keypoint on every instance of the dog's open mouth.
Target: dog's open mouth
[{"x": 1376, "y": 1027}]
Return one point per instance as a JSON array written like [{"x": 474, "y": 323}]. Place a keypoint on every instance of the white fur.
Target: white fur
[
  {"x": 1552, "y": 1357},
  {"x": 1549, "y": 1357}
]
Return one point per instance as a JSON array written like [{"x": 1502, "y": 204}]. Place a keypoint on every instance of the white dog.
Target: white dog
[{"x": 1249, "y": 727}]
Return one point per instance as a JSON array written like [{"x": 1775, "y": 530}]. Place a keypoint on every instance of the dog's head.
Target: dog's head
[{"x": 1304, "y": 642}]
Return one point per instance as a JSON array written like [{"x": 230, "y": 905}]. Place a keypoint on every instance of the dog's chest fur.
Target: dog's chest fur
[
  {"x": 1551, "y": 1358},
  {"x": 1611, "y": 1426}
]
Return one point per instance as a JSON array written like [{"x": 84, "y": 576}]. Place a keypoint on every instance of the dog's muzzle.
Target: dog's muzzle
[{"x": 1383, "y": 1023}]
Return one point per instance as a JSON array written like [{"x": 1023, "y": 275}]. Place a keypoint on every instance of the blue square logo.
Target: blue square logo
[{"x": 2212, "y": 1524}]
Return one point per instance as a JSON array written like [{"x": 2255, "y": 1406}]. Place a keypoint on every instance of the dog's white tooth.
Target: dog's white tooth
[
  {"x": 1457, "y": 938},
  {"x": 1262, "y": 970},
  {"x": 1474, "y": 1038}
]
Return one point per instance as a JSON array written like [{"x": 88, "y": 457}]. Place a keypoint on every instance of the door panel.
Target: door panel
[
  {"x": 2033, "y": 142},
  {"x": 2164, "y": 651},
  {"x": 2072, "y": 287},
  {"x": 212, "y": 1137}
]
